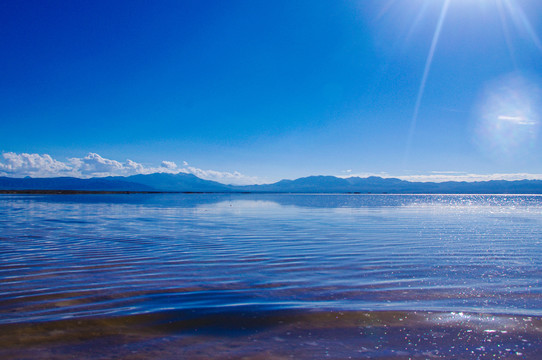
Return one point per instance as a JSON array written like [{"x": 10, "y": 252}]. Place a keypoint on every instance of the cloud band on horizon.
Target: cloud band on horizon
[{"x": 94, "y": 165}]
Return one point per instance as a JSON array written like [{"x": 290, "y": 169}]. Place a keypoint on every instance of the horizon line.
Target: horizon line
[{"x": 433, "y": 178}]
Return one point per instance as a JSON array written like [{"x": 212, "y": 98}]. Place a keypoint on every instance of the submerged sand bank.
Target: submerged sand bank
[{"x": 278, "y": 335}]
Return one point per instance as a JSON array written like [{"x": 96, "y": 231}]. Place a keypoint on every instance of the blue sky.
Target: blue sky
[{"x": 264, "y": 90}]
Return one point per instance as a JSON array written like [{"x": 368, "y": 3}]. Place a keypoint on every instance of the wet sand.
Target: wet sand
[{"x": 278, "y": 335}]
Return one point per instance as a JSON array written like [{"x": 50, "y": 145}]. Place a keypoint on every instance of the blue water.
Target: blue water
[{"x": 87, "y": 256}]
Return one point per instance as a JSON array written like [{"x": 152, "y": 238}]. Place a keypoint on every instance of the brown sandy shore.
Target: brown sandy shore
[{"x": 282, "y": 334}]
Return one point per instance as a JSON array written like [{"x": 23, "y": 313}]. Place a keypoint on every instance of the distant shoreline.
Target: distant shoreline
[
  {"x": 128, "y": 192},
  {"x": 83, "y": 192}
]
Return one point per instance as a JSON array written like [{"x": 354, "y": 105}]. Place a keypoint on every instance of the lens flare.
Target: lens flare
[
  {"x": 423, "y": 82},
  {"x": 508, "y": 118},
  {"x": 508, "y": 125}
]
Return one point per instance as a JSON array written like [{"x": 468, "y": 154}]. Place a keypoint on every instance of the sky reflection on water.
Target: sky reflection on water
[{"x": 73, "y": 256}]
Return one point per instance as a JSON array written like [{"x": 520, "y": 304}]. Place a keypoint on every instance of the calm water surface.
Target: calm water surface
[{"x": 167, "y": 258}]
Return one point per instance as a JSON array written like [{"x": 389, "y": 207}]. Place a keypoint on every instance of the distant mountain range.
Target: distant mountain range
[
  {"x": 378, "y": 185},
  {"x": 313, "y": 184},
  {"x": 152, "y": 182}
]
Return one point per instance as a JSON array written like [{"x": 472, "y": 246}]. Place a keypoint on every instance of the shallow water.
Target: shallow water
[{"x": 207, "y": 262}]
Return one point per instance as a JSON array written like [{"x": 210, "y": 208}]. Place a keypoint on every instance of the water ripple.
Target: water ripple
[{"x": 72, "y": 257}]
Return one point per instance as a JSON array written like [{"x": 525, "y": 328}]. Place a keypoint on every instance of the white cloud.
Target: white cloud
[
  {"x": 32, "y": 165},
  {"x": 350, "y": 173},
  {"x": 449, "y": 172},
  {"x": 169, "y": 165},
  {"x": 235, "y": 178},
  {"x": 94, "y": 165}
]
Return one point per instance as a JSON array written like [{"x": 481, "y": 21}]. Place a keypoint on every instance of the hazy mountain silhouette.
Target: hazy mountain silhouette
[
  {"x": 151, "y": 182},
  {"x": 324, "y": 184},
  {"x": 176, "y": 182},
  {"x": 70, "y": 183},
  {"x": 313, "y": 184}
]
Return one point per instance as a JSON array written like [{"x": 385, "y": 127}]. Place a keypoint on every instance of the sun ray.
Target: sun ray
[
  {"x": 417, "y": 20},
  {"x": 385, "y": 9},
  {"x": 423, "y": 82},
  {"x": 522, "y": 22},
  {"x": 506, "y": 31}
]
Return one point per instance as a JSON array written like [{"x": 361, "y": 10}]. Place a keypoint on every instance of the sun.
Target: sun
[
  {"x": 508, "y": 118},
  {"x": 511, "y": 16}
]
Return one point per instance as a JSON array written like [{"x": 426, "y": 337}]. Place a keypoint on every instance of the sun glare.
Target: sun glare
[
  {"x": 508, "y": 118},
  {"x": 513, "y": 109}
]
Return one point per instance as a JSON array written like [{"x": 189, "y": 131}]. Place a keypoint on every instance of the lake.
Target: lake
[{"x": 270, "y": 276}]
